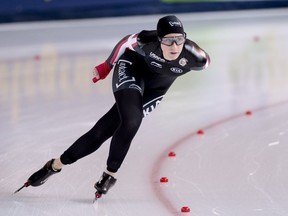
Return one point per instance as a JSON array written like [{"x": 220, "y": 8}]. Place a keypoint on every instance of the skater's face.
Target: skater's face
[{"x": 172, "y": 45}]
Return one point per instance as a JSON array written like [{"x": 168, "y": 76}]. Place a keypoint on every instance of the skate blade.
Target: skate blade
[
  {"x": 25, "y": 185},
  {"x": 97, "y": 196}
]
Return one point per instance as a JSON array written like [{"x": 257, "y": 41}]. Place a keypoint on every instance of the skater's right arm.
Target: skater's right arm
[
  {"x": 132, "y": 42},
  {"x": 102, "y": 70}
]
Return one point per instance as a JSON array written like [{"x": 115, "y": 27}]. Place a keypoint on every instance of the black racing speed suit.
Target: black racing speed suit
[{"x": 140, "y": 80}]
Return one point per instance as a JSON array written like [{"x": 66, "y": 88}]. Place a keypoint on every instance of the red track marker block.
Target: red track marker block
[
  {"x": 164, "y": 180},
  {"x": 185, "y": 209},
  {"x": 172, "y": 154},
  {"x": 200, "y": 132},
  {"x": 248, "y": 113}
]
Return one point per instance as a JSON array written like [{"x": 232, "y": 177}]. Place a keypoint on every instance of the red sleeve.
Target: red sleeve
[
  {"x": 103, "y": 70},
  {"x": 128, "y": 42}
]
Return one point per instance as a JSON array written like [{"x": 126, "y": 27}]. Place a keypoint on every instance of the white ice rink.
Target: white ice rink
[{"x": 237, "y": 167}]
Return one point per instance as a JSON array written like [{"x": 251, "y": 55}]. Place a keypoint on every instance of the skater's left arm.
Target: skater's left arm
[{"x": 202, "y": 59}]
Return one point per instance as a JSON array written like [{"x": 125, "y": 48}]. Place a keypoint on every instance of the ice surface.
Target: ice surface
[{"x": 237, "y": 167}]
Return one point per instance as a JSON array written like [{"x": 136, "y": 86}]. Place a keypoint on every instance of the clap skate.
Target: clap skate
[
  {"x": 104, "y": 184},
  {"x": 41, "y": 176}
]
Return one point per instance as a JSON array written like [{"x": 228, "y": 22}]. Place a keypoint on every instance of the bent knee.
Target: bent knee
[{"x": 133, "y": 124}]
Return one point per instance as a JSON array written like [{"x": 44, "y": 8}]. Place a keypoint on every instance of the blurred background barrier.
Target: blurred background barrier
[{"x": 35, "y": 10}]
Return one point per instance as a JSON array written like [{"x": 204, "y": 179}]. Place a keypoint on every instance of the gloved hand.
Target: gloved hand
[
  {"x": 96, "y": 76},
  {"x": 100, "y": 72}
]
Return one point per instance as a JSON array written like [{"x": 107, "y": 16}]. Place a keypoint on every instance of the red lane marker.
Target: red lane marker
[
  {"x": 172, "y": 154},
  {"x": 164, "y": 180},
  {"x": 248, "y": 113},
  {"x": 200, "y": 132},
  {"x": 185, "y": 209},
  {"x": 162, "y": 158}
]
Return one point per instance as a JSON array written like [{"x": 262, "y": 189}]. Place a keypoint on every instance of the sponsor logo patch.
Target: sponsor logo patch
[
  {"x": 122, "y": 76},
  {"x": 176, "y": 70},
  {"x": 155, "y": 64},
  {"x": 175, "y": 24},
  {"x": 183, "y": 62},
  {"x": 154, "y": 56}
]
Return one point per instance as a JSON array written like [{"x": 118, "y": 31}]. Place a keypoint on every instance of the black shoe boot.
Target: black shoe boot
[
  {"x": 105, "y": 183},
  {"x": 42, "y": 175}
]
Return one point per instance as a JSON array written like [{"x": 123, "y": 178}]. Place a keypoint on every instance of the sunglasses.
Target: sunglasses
[{"x": 170, "y": 40}]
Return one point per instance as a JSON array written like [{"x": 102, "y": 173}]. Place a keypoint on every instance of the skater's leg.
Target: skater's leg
[
  {"x": 129, "y": 104},
  {"x": 93, "y": 139},
  {"x": 85, "y": 145}
]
